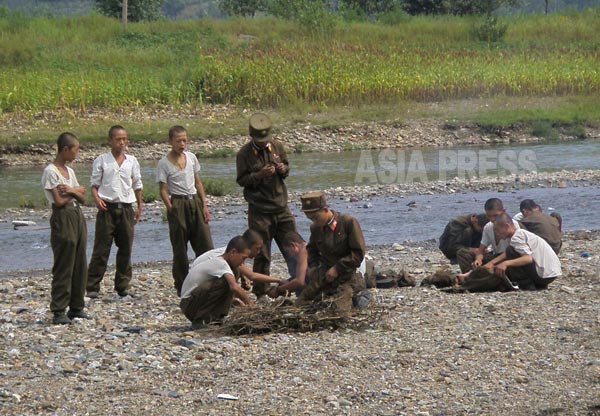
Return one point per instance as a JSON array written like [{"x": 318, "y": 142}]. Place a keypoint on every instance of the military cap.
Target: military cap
[
  {"x": 260, "y": 126},
  {"x": 313, "y": 201}
]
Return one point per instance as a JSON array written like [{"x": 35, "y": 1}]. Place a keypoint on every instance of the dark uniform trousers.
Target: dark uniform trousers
[
  {"x": 117, "y": 223},
  {"x": 270, "y": 226},
  {"x": 525, "y": 276},
  {"x": 187, "y": 224},
  {"x": 340, "y": 290},
  {"x": 465, "y": 258},
  {"x": 210, "y": 301},
  {"x": 68, "y": 237}
]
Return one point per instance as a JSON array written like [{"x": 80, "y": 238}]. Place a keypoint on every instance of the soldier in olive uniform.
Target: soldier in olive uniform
[
  {"x": 336, "y": 249},
  {"x": 262, "y": 165},
  {"x": 462, "y": 232}
]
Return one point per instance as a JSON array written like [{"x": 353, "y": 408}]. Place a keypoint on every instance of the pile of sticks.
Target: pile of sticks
[{"x": 282, "y": 317}]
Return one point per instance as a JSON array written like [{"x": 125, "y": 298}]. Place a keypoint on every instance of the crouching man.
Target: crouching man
[
  {"x": 335, "y": 249},
  {"x": 210, "y": 286},
  {"x": 529, "y": 261}
]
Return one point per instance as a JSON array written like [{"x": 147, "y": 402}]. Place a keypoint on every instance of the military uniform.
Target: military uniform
[
  {"x": 268, "y": 211},
  {"x": 545, "y": 226},
  {"x": 459, "y": 233},
  {"x": 338, "y": 244}
]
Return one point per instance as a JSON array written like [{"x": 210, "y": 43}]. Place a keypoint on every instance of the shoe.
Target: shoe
[
  {"x": 77, "y": 313},
  {"x": 93, "y": 295},
  {"x": 199, "y": 325},
  {"x": 61, "y": 319},
  {"x": 125, "y": 293}
]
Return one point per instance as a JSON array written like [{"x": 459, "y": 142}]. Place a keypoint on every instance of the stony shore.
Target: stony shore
[
  {"x": 309, "y": 138},
  {"x": 432, "y": 353}
]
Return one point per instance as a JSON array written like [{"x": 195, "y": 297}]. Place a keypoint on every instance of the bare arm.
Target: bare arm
[
  {"x": 100, "y": 204},
  {"x": 140, "y": 204},
  {"x": 164, "y": 195},
  {"x": 237, "y": 290},
  {"x": 257, "y": 277},
  {"x": 62, "y": 193},
  {"x": 202, "y": 195}
]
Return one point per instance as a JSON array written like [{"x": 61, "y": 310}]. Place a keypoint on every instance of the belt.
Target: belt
[
  {"x": 183, "y": 196},
  {"x": 117, "y": 205},
  {"x": 73, "y": 203}
]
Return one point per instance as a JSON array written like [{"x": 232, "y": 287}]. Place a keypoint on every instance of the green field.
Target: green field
[{"x": 74, "y": 64}]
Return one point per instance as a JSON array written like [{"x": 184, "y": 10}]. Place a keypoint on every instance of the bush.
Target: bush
[
  {"x": 149, "y": 196},
  {"x": 312, "y": 15},
  {"x": 490, "y": 30},
  {"x": 137, "y": 10},
  {"x": 215, "y": 187},
  {"x": 544, "y": 129}
]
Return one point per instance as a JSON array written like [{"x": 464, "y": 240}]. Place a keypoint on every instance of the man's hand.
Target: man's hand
[
  {"x": 500, "y": 269},
  {"x": 331, "y": 274},
  {"x": 478, "y": 261},
  {"x": 206, "y": 214},
  {"x": 281, "y": 168},
  {"x": 137, "y": 214},
  {"x": 266, "y": 171},
  {"x": 273, "y": 293},
  {"x": 101, "y": 205}
]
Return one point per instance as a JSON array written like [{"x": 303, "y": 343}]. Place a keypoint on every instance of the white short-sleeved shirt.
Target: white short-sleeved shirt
[
  {"x": 545, "y": 259},
  {"x": 179, "y": 181},
  {"x": 202, "y": 272},
  {"x": 209, "y": 255},
  {"x": 488, "y": 238},
  {"x": 518, "y": 216},
  {"x": 116, "y": 183},
  {"x": 51, "y": 178}
]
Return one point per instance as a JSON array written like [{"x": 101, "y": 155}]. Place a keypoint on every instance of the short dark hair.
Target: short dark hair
[
  {"x": 482, "y": 219},
  {"x": 237, "y": 243},
  {"x": 502, "y": 219},
  {"x": 65, "y": 139},
  {"x": 493, "y": 204},
  {"x": 292, "y": 237},
  {"x": 176, "y": 130},
  {"x": 113, "y": 129},
  {"x": 251, "y": 237},
  {"x": 528, "y": 204}
]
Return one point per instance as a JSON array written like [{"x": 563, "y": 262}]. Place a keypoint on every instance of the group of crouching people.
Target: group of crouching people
[{"x": 498, "y": 253}]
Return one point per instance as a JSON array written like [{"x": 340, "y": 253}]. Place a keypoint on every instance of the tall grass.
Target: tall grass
[{"x": 81, "y": 62}]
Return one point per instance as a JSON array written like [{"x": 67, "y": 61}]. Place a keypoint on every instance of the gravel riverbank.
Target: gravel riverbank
[{"x": 432, "y": 353}]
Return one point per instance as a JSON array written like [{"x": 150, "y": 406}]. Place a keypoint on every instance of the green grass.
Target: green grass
[{"x": 88, "y": 62}]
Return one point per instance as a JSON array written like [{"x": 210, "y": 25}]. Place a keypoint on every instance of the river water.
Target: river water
[{"x": 384, "y": 219}]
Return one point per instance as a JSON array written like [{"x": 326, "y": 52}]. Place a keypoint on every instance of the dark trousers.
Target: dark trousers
[
  {"x": 525, "y": 276},
  {"x": 341, "y": 289},
  {"x": 270, "y": 226},
  {"x": 210, "y": 301},
  {"x": 187, "y": 224},
  {"x": 464, "y": 258},
  {"x": 115, "y": 223},
  {"x": 68, "y": 237}
]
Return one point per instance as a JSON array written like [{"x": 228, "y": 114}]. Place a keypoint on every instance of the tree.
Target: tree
[
  {"x": 457, "y": 7},
  {"x": 242, "y": 7},
  {"x": 370, "y": 7},
  {"x": 137, "y": 9}
]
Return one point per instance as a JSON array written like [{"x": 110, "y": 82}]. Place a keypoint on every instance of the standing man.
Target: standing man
[
  {"x": 116, "y": 184},
  {"x": 182, "y": 191},
  {"x": 262, "y": 166},
  {"x": 335, "y": 249},
  {"x": 68, "y": 233}
]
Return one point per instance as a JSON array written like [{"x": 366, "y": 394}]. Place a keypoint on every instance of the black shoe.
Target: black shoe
[
  {"x": 77, "y": 313},
  {"x": 93, "y": 295},
  {"x": 125, "y": 293},
  {"x": 199, "y": 325},
  {"x": 61, "y": 319}
]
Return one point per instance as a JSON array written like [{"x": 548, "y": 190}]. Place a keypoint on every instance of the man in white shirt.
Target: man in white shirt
[
  {"x": 529, "y": 261},
  {"x": 116, "y": 184},
  {"x": 210, "y": 286},
  {"x": 490, "y": 247}
]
